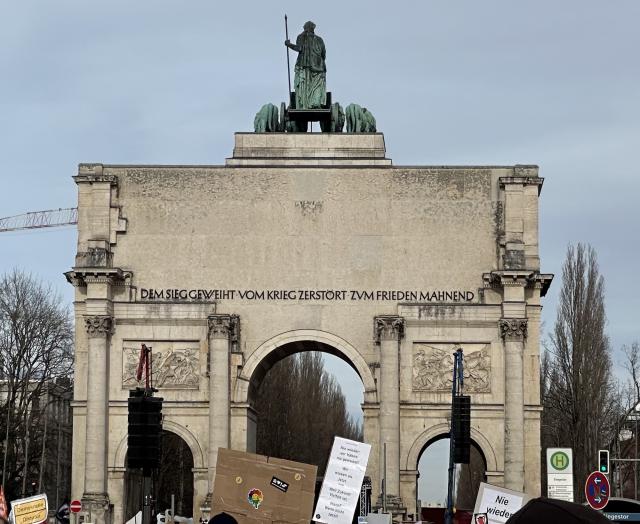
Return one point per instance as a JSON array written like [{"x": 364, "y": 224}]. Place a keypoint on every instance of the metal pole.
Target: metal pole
[
  {"x": 635, "y": 464},
  {"x": 384, "y": 479},
  {"x": 286, "y": 32},
  {"x": 58, "y": 465},
  {"x": 448, "y": 515},
  {"x": 146, "y": 494}
]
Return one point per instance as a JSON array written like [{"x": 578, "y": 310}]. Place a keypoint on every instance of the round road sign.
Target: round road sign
[
  {"x": 75, "y": 506},
  {"x": 597, "y": 490}
]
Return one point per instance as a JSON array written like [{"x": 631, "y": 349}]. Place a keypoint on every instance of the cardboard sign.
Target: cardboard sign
[
  {"x": 30, "y": 510},
  {"x": 498, "y": 503},
  {"x": 342, "y": 482},
  {"x": 255, "y": 489}
]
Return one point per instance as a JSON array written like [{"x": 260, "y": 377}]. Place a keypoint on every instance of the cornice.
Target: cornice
[
  {"x": 94, "y": 173},
  {"x": 81, "y": 276},
  {"x": 518, "y": 278},
  {"x": 526, "y": 180}
]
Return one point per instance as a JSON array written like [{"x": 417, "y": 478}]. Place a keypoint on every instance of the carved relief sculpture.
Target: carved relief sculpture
[
  {"x": 176, "y": 365},
  {"x": 433, "y": 367}
]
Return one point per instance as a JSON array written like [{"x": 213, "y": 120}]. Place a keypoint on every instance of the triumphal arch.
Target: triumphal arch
[{"x": 307, "y": 241}]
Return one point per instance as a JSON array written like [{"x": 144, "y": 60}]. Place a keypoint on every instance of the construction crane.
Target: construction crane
[{"x": 38, "y": 219}]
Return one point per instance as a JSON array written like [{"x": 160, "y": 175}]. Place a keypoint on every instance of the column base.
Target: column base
[
  {"x": 394, "y": 505},
  {"x": 205, "y": 508},
  {"x": 97, "y": 507}
]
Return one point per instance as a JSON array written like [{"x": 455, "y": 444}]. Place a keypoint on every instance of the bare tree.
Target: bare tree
[
  {"x": 36, "y": 348},
  {"x": 579, "y": 394},
  {"x": 625, "y": 444},
  {"x": 300, "y": 409}
]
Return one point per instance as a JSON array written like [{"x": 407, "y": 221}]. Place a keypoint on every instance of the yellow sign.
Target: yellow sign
[{"x": 32, "y": 510}]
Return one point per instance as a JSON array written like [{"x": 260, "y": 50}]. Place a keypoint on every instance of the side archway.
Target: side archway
[
  {"x": 410, "y": 462},
  {"x": 173, "y": 427},
  {"x": 272, "y": 350}
]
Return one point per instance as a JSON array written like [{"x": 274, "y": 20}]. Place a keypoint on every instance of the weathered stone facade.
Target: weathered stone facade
[{"x": 307, "y": 241}]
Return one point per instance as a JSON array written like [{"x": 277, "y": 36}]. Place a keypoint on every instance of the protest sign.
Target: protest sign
[
  {"x": 255, "y": 489},
  {"x": 342, "y": 482},
  {"x": 30, "y": 510},
  {"x": 498, "y": 503}
]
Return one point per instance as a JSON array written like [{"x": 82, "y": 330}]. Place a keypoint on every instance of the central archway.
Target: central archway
[
  {"x": 291, "y": 342},
  {"x": 243, "y": 416}
]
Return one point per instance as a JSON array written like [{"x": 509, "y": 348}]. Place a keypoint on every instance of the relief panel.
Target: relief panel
[
  {"x": 433, "y": 367},
  {"x": 175, "y": 364}
]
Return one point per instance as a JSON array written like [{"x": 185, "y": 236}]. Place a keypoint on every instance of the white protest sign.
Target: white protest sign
[
  {"x": 498, "y": 503},
  {"x": 342, "y": 482}
]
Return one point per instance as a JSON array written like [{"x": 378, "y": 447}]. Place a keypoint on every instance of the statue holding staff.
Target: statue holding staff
[{"x": 310, "y": 73}]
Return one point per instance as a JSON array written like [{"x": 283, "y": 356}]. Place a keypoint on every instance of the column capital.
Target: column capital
[
  {"x": 224, "y": 327},
  {"x": 98, "y": 325},
  {"x": 388, "y": 327},
  {"x": 513, "y": 328}
]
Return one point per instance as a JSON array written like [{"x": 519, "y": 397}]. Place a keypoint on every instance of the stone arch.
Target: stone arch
[
  {"x": 173, "y": 427},
  {"x": 442, "y": 429},
  {"x": 325, "y": 341}
]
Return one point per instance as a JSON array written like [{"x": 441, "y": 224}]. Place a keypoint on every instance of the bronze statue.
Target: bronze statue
[{"x": 310, "y": 80}]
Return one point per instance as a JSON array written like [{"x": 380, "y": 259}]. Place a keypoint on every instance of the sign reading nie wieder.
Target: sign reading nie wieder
[
  {"x": 498, "y": 503},
  {"x": 342, "y": 481}
]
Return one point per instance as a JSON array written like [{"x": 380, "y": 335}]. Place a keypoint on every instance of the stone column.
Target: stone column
[
  {"x": 514, "y": 332},
  {"x": 222, "y": 330},
  {"x": 388, "y": 330},
  {"x": 95, "y": 498}
]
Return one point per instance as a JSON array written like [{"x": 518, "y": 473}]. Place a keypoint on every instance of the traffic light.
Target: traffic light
[
  {"x": 603, "y": 461},
  {"x": 145, "y": 430},
  {"x": 461, "y": 428}
]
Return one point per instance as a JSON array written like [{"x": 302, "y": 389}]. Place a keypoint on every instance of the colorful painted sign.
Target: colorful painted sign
[{"x": 255, "y": 497}]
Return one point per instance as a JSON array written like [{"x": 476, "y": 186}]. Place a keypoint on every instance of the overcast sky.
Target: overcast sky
[{"x": 542, "y": 82}]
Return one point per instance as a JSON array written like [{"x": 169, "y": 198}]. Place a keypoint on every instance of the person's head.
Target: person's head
[
  {"x": 309, "y": 27},
  {"x": 222, "y": 518}
]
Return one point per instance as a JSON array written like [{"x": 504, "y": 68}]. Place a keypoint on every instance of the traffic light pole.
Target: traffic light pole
[
  {"x": 456, "y": 388},
  {"x": 145, "y": 430},
  {"x": 147, "y": 497}
]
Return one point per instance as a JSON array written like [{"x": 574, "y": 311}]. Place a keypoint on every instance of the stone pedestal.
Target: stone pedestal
[{"x": 97, "y": 507}]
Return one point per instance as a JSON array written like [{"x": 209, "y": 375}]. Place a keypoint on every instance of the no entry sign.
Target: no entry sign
[
  {"x": 597, "y": 490},
  {"x": 75, "y": 506}
]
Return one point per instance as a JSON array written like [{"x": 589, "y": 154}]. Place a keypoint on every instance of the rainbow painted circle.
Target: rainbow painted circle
[{"x": 255, "y": 497}]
